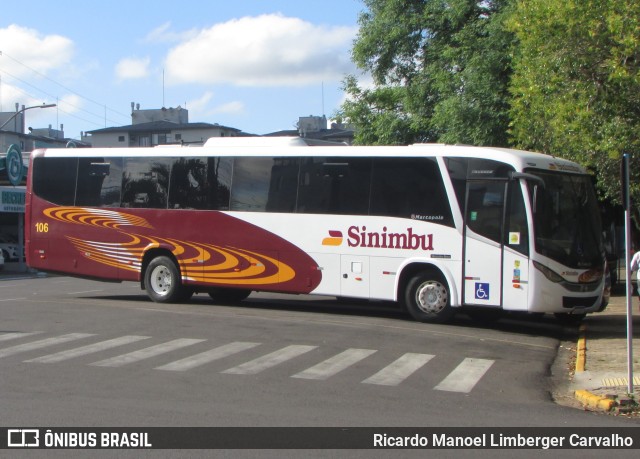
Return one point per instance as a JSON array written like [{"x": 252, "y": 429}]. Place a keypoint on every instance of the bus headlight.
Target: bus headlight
[
  {"x": 593, "y": 275},
  {"x": 548, "y": 273}
]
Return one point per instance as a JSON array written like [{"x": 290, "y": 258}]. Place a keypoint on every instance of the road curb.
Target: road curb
[
  {"x": 588, "y": 399},
  {"x": 581, "y": 351},
  {"x": 594, "y": 401}
]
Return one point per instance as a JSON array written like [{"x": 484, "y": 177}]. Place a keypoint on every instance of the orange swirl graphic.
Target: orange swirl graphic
[
  {"x": 95, "y": 217},
  {"x": 209, "y": 264},
  {"x": 243, "y": 267},
  {"x": 206, "y": 263}
]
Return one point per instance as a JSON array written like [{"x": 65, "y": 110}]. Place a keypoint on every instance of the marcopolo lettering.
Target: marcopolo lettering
[{"x": 408, "y": 240}]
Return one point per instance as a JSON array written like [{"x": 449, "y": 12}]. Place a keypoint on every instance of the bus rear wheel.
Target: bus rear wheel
[
  {"x": 162, "y": 281},
  {"x": 427, "y": 298}
]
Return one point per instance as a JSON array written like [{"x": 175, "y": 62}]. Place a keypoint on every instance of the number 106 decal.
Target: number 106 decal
[{"x": 42, "y": 227}]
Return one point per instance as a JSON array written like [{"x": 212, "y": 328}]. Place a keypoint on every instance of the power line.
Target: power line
[
  {"x": 51, "y": 96},
  {"x": 67, "y": 113},
  {"x": 3, "y": 54}
]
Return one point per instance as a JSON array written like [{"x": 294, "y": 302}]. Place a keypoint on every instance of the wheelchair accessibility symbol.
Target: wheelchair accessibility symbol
[{"x": 482, "y": 291}]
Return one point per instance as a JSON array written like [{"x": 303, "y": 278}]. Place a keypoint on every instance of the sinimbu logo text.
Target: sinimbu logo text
[{"x": 358, "y": 236}]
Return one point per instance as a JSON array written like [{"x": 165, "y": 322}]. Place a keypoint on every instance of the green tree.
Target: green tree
[
  {"x": 440, "y": 71},
  {"x": 576, "y": 85}
]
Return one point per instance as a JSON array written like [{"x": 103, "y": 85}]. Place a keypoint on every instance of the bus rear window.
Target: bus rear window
[
  {"x": 99, "y": 182},
  {"x": 54, "y": 179}
]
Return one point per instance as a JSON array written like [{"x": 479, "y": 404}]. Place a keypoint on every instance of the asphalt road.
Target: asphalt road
[{"x": 82, "y": 353}]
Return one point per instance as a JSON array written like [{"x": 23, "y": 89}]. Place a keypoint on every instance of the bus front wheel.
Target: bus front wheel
[
  {"x": 162, "y": 280},
  {"x": 427, "y": 298}
]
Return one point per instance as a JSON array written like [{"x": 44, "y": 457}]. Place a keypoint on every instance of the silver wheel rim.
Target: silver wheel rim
[
  {"x": 432, "y": 297},
  {"x": 161, "y": 280}
]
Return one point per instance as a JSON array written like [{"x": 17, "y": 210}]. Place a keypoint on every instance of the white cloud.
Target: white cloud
[
  {"x": 26, "y": 50},
  {"x": 200, "y": 104},
  {"x": 231, "y": 108},
  {"x": 202, "y": 108},
  {"x": 131, "y": 68},
  {"x": 164, "y": 34},
  {"x": 71, "y": 103},
  {"x": 10, "y": 95},
  {"x": 267, "y": 50}
]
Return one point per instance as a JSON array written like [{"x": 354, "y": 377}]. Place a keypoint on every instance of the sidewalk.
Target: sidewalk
[{"x": 601, "y": 375}]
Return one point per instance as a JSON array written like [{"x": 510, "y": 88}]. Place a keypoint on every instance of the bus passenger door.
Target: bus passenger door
[
  {"x": 515, "y": 259},
  {"x": 483, "y": 233},
  {"x": 355, "y": 276}
]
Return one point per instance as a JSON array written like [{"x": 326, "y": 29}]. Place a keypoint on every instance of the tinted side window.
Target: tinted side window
[
  {"x": 99, "y": 182},
  {"x": 54, "y": 179},
  {"x": 457, "y": 168},
  {"x": 485, "y": 207},
  {"x": 145, "y": 182},
  {"x": 219, "y": 176},
  {"x": 334, "y": 185},
  {"x": 283, "y": 187},
  {"x": 264, "y": 184},
  {"x": 410, "y": 188},
  {"x": 200, "y": 183},
  {"x": 517, "y": 233}
]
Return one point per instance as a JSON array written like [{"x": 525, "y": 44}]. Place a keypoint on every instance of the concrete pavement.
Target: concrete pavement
[{"x": 599, "y": 378}]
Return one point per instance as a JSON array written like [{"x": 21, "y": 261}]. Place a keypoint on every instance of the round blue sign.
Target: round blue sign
[{"x": 15, "y": 167}]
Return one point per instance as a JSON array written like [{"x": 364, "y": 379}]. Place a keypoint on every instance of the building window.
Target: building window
[
  {"x": 120, "y": 138},
  {"x": 178, "y": 137}
]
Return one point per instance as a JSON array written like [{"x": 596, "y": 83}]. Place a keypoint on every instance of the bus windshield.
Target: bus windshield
[{"x": 567, "y": 223}]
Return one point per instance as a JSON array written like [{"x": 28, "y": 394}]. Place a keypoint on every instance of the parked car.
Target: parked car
[
  {"x": 9, "y": 248},
  {"x": 1, "y": 262}
]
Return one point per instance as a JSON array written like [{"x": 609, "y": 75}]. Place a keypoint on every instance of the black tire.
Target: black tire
[
  {"x": 162, "y": 281},
  {"x": 228, "y": 295},
  {"x": 427, "y": 298}
]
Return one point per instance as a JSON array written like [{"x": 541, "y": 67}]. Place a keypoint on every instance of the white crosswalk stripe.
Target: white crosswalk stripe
[
  {"x": 146, "y": 353},
  {"x": 208, "y": 356},
  {"x": 335, "y": 364},
  {"x": 16, "y": 335},
  {"x": 401, "y": 369},
  {"x": 465, "y": 376},
  {"x": 89, "y": 349},
  {"x": 462, "y": 379},
  {"x": 42, "y": 343},
  {"x": 270, "y": 360}
]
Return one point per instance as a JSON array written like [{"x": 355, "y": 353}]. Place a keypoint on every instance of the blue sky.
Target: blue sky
[{"x": 252, "y": 65}]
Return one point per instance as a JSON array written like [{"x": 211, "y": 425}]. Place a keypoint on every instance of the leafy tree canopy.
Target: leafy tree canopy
[
  {"x": 557, "y": 76},
  {"x": 576, "y": 86},
  {"x": 440, "y": 71}
]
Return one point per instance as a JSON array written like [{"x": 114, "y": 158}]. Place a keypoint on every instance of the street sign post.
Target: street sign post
[{"x": 626, "y": 202}]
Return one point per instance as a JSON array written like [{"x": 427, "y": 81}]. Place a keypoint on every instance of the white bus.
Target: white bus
[{"x": 432, "y": 227}]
